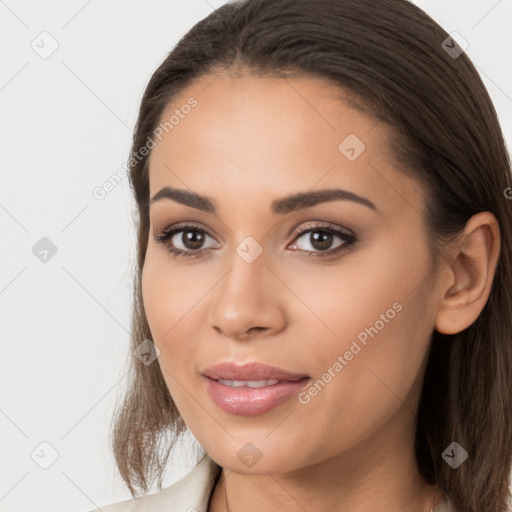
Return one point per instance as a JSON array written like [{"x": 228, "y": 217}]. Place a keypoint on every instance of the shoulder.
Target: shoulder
[{"x": 190, "y": 493}]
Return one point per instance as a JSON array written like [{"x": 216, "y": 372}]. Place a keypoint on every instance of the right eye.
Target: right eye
[{"x": 189, "y": 235}]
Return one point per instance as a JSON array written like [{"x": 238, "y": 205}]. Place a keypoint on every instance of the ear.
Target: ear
[{"x": 469, "y": 274}]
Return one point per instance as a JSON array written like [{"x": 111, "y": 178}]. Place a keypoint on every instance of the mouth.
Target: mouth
[{"x": 252, "y": 398}]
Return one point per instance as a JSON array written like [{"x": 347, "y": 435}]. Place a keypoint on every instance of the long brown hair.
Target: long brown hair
[{"x": 403, "y": 69}]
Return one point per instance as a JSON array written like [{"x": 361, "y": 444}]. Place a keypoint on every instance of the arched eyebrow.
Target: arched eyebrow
[{"x": 282, "y": 206}]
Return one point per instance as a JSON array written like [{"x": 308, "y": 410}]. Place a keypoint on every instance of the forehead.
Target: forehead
[
  {"x": 249, "y": 134},
  {"x": 244, "y": 111}
]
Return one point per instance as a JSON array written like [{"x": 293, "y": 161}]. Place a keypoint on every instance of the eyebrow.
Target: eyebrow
[{"x": 280, "y": 206}]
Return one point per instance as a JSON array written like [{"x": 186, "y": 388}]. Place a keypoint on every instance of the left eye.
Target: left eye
[{"x": 320, "y": 239}]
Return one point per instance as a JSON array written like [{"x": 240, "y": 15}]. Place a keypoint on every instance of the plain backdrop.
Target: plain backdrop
[{"x": 67, "y": 258}]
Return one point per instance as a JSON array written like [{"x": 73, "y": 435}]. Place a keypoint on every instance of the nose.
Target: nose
[{"x": 249, "y": 301}]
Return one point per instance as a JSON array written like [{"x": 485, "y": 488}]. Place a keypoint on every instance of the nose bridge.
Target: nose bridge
[
  {"x": 244, "y": 284},
  {"x": 247, "y": 296},
  {"x": 248, "y": 264}
]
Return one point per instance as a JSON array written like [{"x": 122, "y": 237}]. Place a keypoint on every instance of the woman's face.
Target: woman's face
[{"x": 279, "y": 282}]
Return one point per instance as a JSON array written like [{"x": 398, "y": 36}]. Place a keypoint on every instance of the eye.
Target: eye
[
  {"x": 321, "y": 238},
  {"x": 189, "y": 236}
]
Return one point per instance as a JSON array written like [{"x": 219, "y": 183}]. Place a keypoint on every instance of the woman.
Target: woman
[{"x": 324, "y": 281}]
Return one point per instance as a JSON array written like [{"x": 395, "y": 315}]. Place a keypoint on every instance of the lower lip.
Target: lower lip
[{"x": 245, "y": 401}]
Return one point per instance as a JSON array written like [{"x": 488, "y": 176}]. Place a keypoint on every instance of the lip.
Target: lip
[
  {"x": 245, "y": 401},
  {"x": 249, "y": 371}
]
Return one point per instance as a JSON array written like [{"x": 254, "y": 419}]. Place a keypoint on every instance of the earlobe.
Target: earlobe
[{"x": 469, "y": 274}]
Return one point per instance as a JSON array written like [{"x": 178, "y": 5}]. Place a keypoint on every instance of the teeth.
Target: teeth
[{"x": 248, "y": 383}]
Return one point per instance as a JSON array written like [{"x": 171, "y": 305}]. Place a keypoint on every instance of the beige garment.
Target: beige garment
[
  {"x": 192, "y": 493},
  {"x": 189, "y": 494}
]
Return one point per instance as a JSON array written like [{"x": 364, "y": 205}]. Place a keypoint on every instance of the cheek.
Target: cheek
[
  {"x": 373, "y": 313},
  {"x": 169, "y": 294},
  {"x": 160, "y": 303},
  {"x": 173, "y": 305},
  {"x": 156, "y": 288},
  {"x": 162, "y": 310}
]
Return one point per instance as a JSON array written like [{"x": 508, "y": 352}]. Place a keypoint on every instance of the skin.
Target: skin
[{"x": 251, "y": 140}]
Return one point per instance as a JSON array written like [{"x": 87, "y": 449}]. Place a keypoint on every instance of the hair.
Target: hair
[{"x": 390, "y": 57}]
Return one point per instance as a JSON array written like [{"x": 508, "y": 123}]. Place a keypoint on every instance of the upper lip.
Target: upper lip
[{"x": 249, "y": 371}]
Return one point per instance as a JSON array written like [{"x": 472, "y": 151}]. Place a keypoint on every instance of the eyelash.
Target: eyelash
[{"x": 168, "y": 233}]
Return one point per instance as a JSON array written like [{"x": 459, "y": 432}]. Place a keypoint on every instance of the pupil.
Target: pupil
[
  {"x": 323, "y": 241},
  {"x": 192, "y": 239}
]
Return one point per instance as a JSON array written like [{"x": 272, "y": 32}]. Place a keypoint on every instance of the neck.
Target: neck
[{"x": 378, "y": 474}]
